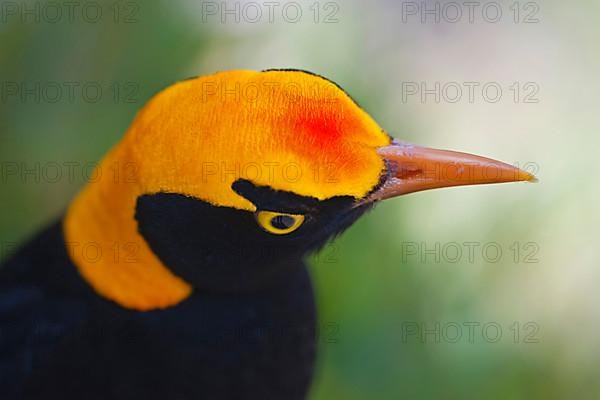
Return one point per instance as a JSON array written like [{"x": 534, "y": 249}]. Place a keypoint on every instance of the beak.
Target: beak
[{"x": 413, "y": 168}]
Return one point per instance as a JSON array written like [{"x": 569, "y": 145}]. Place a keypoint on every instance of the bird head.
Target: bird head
[{"x": 224, "y": 182}]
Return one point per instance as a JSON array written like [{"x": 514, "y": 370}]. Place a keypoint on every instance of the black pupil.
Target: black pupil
[{"x": 282, "y": 221}]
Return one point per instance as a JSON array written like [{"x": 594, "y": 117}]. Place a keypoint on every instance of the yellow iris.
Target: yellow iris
[{"x": 279, "y": 223}]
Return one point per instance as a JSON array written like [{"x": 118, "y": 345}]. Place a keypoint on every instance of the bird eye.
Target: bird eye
[{"x": 279, "y": 223}]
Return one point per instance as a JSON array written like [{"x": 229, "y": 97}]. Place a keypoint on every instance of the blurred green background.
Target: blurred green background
[{"x": 393, "y": 292}]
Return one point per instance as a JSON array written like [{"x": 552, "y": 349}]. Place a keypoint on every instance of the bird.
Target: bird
[{"x": 179, "y": 271}]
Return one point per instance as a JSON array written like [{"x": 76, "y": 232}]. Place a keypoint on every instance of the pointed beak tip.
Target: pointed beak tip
[
  {"x": 527, "y": 177},
  {"x": 533, "y": 179}
]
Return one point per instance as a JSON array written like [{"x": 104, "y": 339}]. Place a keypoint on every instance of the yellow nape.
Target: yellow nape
[{"x": 290, "y": 130}]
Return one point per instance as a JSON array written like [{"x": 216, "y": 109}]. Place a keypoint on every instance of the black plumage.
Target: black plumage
[{"x": 248, "y": 331}]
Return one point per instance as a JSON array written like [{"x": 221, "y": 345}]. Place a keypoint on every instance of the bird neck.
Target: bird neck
[{"x": 103, "y": 241}]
